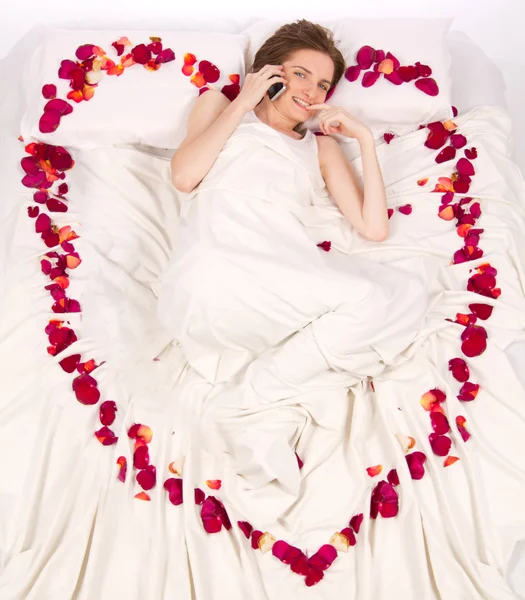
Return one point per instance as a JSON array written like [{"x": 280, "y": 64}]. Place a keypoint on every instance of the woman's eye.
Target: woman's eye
[{"x": 321, "y": 84}]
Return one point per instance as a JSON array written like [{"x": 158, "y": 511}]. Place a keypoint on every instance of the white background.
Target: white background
[{"x": 497, "y": 27}]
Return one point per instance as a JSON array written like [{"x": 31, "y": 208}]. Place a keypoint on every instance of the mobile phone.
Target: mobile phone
[{"x": 276, "y": 90}]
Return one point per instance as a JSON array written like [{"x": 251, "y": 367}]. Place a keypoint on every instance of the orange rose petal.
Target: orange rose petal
[
  {"x": 89, "y": 366},
  {"x": 412, "y": 442},
  {"x": 449, "y": 125},
  {"x": 214, "y": 484},
  {"x": 235, "y": 78},
  {"x": 422, "y": 182},
  {"x": 142, "y": 496},
  {"x": 187, "y": 70},
  {"x": 63, "y": 282},
  {"x": 116, "y": 70},
  {"x": 463, "y": 229},
  {"x": 198, "y": 79},
  {"x": 447, "y": 214},
  {"x": 190, "y": 59},
  {"x": 72, "y": 262},
  {"x": 127, "y": 60},
  {"x": 177, "y": 466},
  {"x": 450, "y": 460},
  {"x": 386, "y": 66},
  {"x": 373, "y": 471}
]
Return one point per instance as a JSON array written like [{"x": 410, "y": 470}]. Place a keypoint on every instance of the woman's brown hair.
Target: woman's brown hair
[{"x": 300, "y": 35}]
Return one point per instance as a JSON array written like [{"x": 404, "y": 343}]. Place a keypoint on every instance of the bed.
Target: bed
[{"x": 111, "y": 486}]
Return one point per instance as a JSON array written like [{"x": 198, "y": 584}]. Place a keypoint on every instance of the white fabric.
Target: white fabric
[
  {"x": 384, "y": 106},
  {"x": 70, "y": 529},
  {"x": 156, "y": 103}
]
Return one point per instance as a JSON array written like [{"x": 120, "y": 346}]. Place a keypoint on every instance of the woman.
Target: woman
[{"x": 246, "y": 273}]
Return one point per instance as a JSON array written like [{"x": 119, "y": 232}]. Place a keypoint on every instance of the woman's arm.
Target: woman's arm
[
  {"x": 366, "y": 209},
  {"x": 211, "y": 122}
]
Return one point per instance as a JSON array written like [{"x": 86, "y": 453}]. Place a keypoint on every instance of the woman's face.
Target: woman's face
[{"x": 308, "y": 74}]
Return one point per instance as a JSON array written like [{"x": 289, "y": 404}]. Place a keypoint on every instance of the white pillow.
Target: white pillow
[
  {"x": 384, "y": 107},
  {"x": 138, "y": 107}
]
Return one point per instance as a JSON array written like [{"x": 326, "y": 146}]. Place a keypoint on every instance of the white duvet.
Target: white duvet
[{"x": 275, "y": 338}]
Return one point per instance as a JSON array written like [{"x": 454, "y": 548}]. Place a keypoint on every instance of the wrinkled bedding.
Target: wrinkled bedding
[{"x": 315, "y": 463}]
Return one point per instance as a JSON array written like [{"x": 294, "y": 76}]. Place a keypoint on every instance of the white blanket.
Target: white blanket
[{"x": 239, "y": 395}]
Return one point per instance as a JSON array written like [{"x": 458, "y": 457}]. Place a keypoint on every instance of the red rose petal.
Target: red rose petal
[
  {"x": 300, "y": 463},
  {"x": 155, "y": 47},
  {"x": 230, "y": 91},
  {"x": 352, "y": 73},
  {"x": 460, "y": 423},
  {"x": 423, "y": 70},
  {"x": 107, "y": 412},
  {"x": 440, "y": 444},
  {"x": 393, "y": 478},
  {"x": 459, "y": 369},
  {"x": 458, "y": 140},
  {"x": 369, "y": 79},
  {"x": 49, "y": 121},
  {"x": 393, "y": 77},
  {"x": 85, "y": 51},
  {"x": 365, "y": 57},
  {"x": 69, "y": 365},
  {"x": 209, "y": 71},
  {"x": 465, "y": 167},
  {"x": 246, "y": 528},
  {"x": 60, "y": 158},
  {"x": 147, "y": 478},
  {"x": 474, "y": 341},
  {"x": 416, "y": 462},
  {"x": 323, "y": 558},
  {"x": 174, "y": 488},
  {"x": 439, "y": 423},
  {"x": 384, "y": 501},
  {"x": 454, "y": 111},
  {"x": 390, "y": 212},
  {"x": 356, "y": 521},
  {"x": 349, "y": 535},
  {"x": 388, "y": 137},
  {"x": 141, "y": 54},
  {"x": 408, "y": 73},
  {"x": 326, "y": 246},
  {"x": 483, "y": 311},
  {"x": 428, "y": 86},
  {"x": 166, "y": 55},
  {"x": 141, "y": 457},
  {"x": 32, "y": 211},
  {"x": 256, "y": 535},
  {"x": 446, "y": 154},
  {"x": 123, "y": 463},
  {"x": 468, "y": 392},
  {"x": 55, "y": 205},
  {"x": 471, "y": 153},
  {"x": 49, "y": 91},
  {"x": 66, "y": 67},
  {"x": 300, "y": 565},
  {"x": 43, "y": 223},
  {"x": 106, "y": 437},
  {"x": 200, "y": 496},
  {"x": 406, "y": 209},
  {"x": 314, "y": 576}
]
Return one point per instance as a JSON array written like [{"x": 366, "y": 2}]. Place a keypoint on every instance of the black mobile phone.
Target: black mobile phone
[{"x": 276, "y": 90}]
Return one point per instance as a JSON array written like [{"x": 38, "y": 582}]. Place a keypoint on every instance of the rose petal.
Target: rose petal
[
  {"x": 214, "y": 484},
  {"x": 323, "y": 558},
  {"x": 141, "y": 54},
  {"x": 166, "y": 55},
  {"x": 468, "y": 392},
  {"x": 353, "y": 72},
  {"x": 356, "y": 521},
  {"x": 141, "y": 457},
  {"x": 440, "y": 444},
  {"x": 460, "y": 423},
  {"x": 365, "y": 57},
  {"x": 314, "y": 576},
  {"x": 369, "y": 79},
  {"x": 373, "y": 471},
  {"x": 459, "y": 369},
  {"x": 199, "y": 495},
  {"x": 246, "y": 528},
  {"x": 106, "y": 437},
  {"x": 416, "y": 462},
  {"x": 392, "y": 477},
  {"x": 147, "y": 478},
  {"x": 174, "y": 488},
  {"x": 428, "y": 85},
  {"x": 471, "y": 153},
  {"x": 388, "y": 137},
  {"x": 483, "y": 311},
  {"x": 465, "y": 167},
  {"x": 209, "y": 71},
  {"x": 439, "y": 423},
  {"x": 450, "y": 460},
  {"x": 406, "y": 209},
  {"x": 349, "y": 535},
  {"x": 448, "y": 153},
  {"x": 107, "y": 412},
  {"x": 49, "y": 121},
  {"x": 394, "y": 78},
  {"x": 123, "y": 468},
  {"x": 300, "y": 565}
]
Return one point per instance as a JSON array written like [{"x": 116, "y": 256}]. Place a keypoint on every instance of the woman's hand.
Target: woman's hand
[
  {"x": 334, "y": 119},
  {"x": 257, "y": 84}
]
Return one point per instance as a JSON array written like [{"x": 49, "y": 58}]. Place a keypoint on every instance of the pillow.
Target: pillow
[
  {"x": 145, "y": 104},
  {"x": 384, "y": 106}
]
